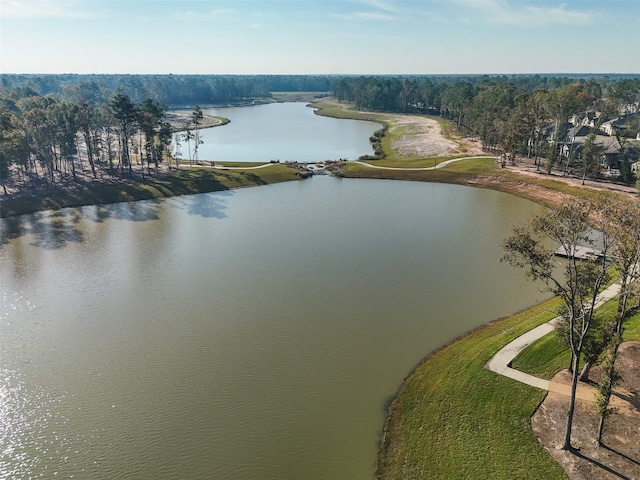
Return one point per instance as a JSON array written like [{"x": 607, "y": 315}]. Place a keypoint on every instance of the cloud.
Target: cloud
[
  {"x": 222, "y": 11},
  {"x": 380, "y": 5},
  {"x": 373, "y": 16},
  {"x": 191, "y": 15},
  {"x": 28, "y": 9},
  {"x": 378, "y": 10},
  {"x": 367, "y": 16},
  {"x": 541, "y": 14}
]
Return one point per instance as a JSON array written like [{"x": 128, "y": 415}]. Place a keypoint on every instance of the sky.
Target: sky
[{"x": 363, "y": 37}]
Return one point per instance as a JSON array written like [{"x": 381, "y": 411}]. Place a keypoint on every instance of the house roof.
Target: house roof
[
  {"x": 579, "y": 131},
  {"x": 609, "y": 145}
]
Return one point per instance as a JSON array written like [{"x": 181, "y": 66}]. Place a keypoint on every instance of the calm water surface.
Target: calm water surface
[
  {"x": 285, "y": 132},
  {"x": 252, "y": 334}
]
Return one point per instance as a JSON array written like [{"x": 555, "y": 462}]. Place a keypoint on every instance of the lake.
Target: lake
[
  {"x": 251, "y": 334},
  {"x": 284, "y": 132}
]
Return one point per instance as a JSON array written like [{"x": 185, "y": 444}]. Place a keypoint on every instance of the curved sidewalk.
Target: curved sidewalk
[
  {"x": 501, "y": 361},
  {"x": 440, "y": 165}
]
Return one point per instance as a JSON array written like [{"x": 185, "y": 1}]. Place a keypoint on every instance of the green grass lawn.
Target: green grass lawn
[
  {"x": 549, "y": 355},
  {"x": 455, "y": 419},
  {"x": 296, "y": 96},
  {"x": 407, "y": 162},
  {"x": 544, "y": 358},
  {"x": 338, "y": 110}
]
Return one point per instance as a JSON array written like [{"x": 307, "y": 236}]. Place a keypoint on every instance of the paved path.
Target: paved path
[
  {"x": 440, "y": 165},
  {"x": 501, "y": 361},
  {"x": 220, "y": 167},
  {"x": 244, "y": 168}
]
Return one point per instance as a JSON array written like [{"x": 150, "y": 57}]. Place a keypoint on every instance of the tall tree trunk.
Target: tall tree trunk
[
  {"x": 570, "y": 367},
  {"x": 600, "y": 429},
  {"x": 89, "y": 145},
  {"x": 609, "y": 378},
  {"x": 584, "y": 373},
  {"x": 572, "y": 403}
]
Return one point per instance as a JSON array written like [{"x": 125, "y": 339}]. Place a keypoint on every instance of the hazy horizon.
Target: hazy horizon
[{"x": 329, "y": 74}]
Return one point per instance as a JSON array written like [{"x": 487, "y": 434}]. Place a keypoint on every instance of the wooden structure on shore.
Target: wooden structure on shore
[{"x": 581, "y": 253}]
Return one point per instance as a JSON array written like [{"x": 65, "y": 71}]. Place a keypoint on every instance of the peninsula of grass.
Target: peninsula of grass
[
  {"x": 178, "y": 119},
  {"x": 180, "y": 182},
  {"x": 453, "y": 418},
  {"x": 297, "y": 96},
  {"x": 480, "y": 172},
  {"x": 339, "y": 110}
]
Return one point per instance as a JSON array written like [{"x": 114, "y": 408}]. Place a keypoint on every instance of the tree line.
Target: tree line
[
  {"x": 525, "y": 115},
  {"x": 47, "y": 139},
  {"x": 167, "y": 90},
  {"x": 58, "y": 123}
]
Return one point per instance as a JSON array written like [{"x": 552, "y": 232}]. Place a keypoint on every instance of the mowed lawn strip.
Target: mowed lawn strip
[{"x": 455, "y": 419}]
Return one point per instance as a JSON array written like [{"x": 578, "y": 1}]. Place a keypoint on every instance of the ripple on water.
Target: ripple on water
[
  {"x": 13, "y": 302},
  {"x": 30, "y": 430}
]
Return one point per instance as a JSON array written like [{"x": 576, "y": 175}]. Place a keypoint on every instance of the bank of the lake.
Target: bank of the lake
[
  {"x": 453, "y": 418},
  {"x": 171, "y": 183},
  {"x": 482, "y": 172}
]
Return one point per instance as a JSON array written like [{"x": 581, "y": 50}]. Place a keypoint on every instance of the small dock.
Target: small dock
[{"x": 581, "y": 253}]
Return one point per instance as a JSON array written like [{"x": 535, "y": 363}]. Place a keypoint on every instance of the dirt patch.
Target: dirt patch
[
  {"x": 421, "y": 137},
  {"x": 527, "y": 166},
  {"x": 620, "y": 455}
]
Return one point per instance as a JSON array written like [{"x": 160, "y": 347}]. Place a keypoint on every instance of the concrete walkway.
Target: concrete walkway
[
  {"x": 221, "y": 167},
  {"x": 440, "y": 165},
  {"x": 501, "y": 361}
]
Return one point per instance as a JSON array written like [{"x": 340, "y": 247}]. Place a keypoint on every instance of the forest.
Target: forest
[{"x": 54, "y": 126}]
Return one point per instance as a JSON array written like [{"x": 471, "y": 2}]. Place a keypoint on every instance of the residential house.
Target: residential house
[
  {"x": 613, "y": 127},
  {"x": 610, "y": 148}
]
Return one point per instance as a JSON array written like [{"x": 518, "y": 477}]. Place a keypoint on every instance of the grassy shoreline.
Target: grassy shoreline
[
  {"x": 453, "y": 418},
  {"x": 174, "y": 183}
]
